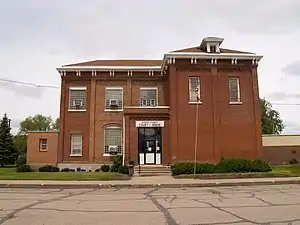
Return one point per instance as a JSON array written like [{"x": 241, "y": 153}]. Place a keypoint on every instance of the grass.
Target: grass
[
  {"x": 11, "y": 174},
  {"x": 277, "y": 171},
  {"x": 290, "y": 170}
]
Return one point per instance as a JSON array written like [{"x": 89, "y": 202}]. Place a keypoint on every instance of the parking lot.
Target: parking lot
[{"x": 275, "y": 204}]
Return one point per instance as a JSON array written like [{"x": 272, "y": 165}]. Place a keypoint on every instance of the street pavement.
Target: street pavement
[{"x": 274, "y": 204}]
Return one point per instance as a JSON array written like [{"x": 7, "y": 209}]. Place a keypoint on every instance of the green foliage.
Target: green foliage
[
  {"x": 118, "y": 165},
  {"x": 224, "y": 166},
  {"x": 270, "y": 119},
  {"x": 38, "y": 123},
  {"x": 20, "y": 143},
  {"x": 21, "y": 160},
  {"x": 105, "y": 168},
  {"x": 48, "y": 168},
  {"x": 65, "y": 170},
  {"x": 24, "y": 168},
  {"x": 123, "y": 170},
  {"x": 7, "y": 153}
]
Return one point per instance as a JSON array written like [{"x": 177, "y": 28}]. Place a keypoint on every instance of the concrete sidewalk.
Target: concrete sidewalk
[{"x": 147, "y": 182}]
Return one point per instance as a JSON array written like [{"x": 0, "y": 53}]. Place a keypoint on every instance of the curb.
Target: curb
[{"x": 102, "y": 186}]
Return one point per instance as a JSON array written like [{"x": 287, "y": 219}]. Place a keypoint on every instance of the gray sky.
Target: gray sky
[{"x": 37, "y": 36}]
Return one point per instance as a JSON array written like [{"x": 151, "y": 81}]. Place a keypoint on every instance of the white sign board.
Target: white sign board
[{"x": 147, "y": 123}]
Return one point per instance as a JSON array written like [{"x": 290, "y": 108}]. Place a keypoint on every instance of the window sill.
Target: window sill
[
  {"x": 76, "y": 110},
  {"x": 113, "y": 110},
  {"x": 44, "y": 150},
  {"x": 76, "y": 155},
  {"x": 108, "y": 155},
  {"x": 195, "y": 103},
  {"x": 235, "y": 103}
]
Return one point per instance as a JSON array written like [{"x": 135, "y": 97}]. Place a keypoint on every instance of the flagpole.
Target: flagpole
[{"x": 196, "y": 133}]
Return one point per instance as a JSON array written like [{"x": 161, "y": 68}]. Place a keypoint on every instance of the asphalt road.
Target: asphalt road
[{"x": 276, "y": 204}]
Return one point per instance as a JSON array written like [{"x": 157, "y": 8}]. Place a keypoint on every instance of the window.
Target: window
[
  {"x": 77, "y": 99},
  {"x": 43, "y": 142},
  {"x": 234, "y": 89},
  {"x": 114, "y": 98},
  {"x": 194, "y": 89},
  {"x": 213, "y": 48},
  {"x": 76, "y": 145},
  {"x": 148, "y": 96},
  {"x": 112, "y": 140}
]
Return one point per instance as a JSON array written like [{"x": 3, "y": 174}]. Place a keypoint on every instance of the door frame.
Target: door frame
[{"x": 143, "y": 154}]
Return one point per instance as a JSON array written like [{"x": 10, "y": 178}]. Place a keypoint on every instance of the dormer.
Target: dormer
[{"x": 211, "y": 44}]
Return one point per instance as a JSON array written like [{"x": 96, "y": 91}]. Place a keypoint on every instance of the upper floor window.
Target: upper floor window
[
  {"x": 234, "y": 89},
  {"x": 149, "y": 96},
  {"x": 113, "y": 140},
  {"x": 76, "y": 145},
  {"x": 194, "y": 90},
  {"x": 77, "y": 99},
  {"x": 43, "y": 142},
  {"x": 114, "y": 98}
]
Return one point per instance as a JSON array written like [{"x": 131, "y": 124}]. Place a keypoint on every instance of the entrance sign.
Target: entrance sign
[{"x": 147, "y": 123}]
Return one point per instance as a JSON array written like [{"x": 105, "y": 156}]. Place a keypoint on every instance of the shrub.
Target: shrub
[
  {"x": 105, "y": 168},
  {"x": 123, "y": 169},
  {"x": 48, "y": 168},
  {"x": 205, "y": 168},
  {"x": 65, "y": 170},
  {"x": 78, "y": 169},
  {"x": 97, "y": 170},
  {"x": 72, "y": 170},
  {"x": 258, "y": 165},
  {"x": 21, "y": 160},
  {"x": 293, "y": 161},
  {"x": 224, "y": 166},
  {"x": 234, "y": 166},
  {"x": 182, "y": 168},
  {"x": 24, "y": 168}
]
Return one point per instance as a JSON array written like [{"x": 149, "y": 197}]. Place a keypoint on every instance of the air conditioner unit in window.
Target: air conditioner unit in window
[
  {"x": 152, "y": 102},
  {"x": 113, "y": 149},
  {"x": 113, "y": 102},
  {"x": 77, "y": 103}
]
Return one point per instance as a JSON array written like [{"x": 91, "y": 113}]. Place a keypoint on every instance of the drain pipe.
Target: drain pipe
[{"x": 123, "y": 140}]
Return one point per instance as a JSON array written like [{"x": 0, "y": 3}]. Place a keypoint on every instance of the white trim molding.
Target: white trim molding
[{"x": 78, "y": 88}]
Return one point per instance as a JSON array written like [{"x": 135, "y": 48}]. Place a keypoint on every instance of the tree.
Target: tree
[
  {"x": 55, "y": 125},
  {"x": 7, "y": 152},
  {"x": 36, "y": 123},
  {"x": 270, "y": 119}
]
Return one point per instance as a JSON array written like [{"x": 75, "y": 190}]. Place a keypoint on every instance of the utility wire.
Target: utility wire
[
  {"x": 27, "y": 83},
  {"x": 56, "y": 87}
]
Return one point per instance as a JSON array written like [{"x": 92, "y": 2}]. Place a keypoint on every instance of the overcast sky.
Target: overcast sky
[{"x": 37, "y": 36}]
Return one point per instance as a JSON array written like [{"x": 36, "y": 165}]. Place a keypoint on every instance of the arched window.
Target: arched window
[{"x": 112, "y": 140}]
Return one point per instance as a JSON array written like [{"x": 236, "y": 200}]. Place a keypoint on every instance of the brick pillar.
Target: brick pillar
[
  {"x": 63, "y": 105},
  {"x": 173, "y": 134},
  {"x": 215, "y": 98},
  {"x": 256, "y": 111},
  {"x": 128, "y": 94},
  {"x": 92, "y": 121}
]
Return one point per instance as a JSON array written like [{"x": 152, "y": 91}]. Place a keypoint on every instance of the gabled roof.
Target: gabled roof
[
  {"x": 125, "y": 62},
  {"x": 197, "y": 49}
]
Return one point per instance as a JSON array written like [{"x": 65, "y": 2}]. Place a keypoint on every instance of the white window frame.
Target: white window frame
[
  {"x": 190, "y": 90},
  {"x": 41, "y": 144},
  {"x": 72, "y": 145},
  {"x": 238, "y": 90},
  {"x": 150, "y": 88},
  {"x": 76, "y": 88},
  {"x": 114, "y": 88},
  {"x": 104, "y": 133}
]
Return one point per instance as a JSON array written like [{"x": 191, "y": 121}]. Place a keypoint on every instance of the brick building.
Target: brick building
[{"x": 147, "y": 110}]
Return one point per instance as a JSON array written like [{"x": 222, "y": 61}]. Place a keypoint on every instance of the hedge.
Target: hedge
[
  {"x": 224, "y": 166},
  {"x": 48, "y": 168}
]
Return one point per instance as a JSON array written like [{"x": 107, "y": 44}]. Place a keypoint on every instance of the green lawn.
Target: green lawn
[
  {"x": 290, "y": 170},
  {"x": 11, "y": 174}
]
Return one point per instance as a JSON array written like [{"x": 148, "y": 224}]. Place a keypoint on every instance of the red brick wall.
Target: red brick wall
[{"x": 37, "y": 157}]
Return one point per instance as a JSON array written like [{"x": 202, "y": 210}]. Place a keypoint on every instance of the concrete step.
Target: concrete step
[{"x": 152, "y": 171}]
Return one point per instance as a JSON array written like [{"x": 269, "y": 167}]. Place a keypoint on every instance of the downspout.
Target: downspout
[{"x": 123, "y": 137}]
